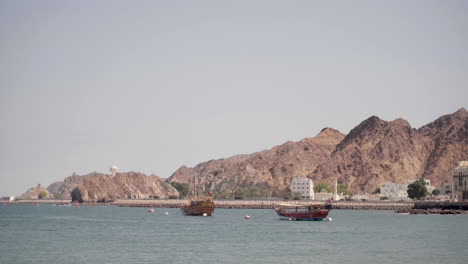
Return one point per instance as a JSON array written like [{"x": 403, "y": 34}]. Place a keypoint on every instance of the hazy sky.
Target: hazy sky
[{"x": 153, "y": 85}]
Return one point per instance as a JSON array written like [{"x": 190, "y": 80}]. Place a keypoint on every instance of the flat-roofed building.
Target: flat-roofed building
[
  {"x": 303, "y": 186},
  {"x": 460, "y": 179}
]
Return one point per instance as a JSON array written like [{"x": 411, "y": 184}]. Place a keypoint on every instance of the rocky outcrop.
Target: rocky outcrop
[
  {"x": 64, "y": 188},
  {"x": 106, "y": 188},
  {"x": 267, "y": 171},
  {"x": 33, "y": 194}
]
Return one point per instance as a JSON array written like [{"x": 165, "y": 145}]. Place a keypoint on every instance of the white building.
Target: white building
[
  {"x": 394, "y": 191},
  {"x": 460, "y": 179},
  {"x": 8, "y": 198},
  {"x": 303, "y": 186},
  {"x": 323, "y": 196}
]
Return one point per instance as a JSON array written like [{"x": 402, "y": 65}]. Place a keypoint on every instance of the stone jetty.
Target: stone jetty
[{"x": 269, "y": 204}]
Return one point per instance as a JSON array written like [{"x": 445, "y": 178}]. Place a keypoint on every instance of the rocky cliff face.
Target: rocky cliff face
[
  {"x": 98, "y": 187},
  {"x": 449, "y": 137},
  {"x": 64, "y": 188},
  {"x": 125, "y": 185},
  {"x": 266, "y": 171},
  {"x": 373, "y": 152}
]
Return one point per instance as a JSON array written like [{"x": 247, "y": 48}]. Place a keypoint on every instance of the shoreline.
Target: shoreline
[
  {"x": 233, "y": 204},
  {"x": 421, "y": 206}
]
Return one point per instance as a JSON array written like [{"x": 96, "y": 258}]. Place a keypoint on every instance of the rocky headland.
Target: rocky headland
[{"x": 99, "y": 187}]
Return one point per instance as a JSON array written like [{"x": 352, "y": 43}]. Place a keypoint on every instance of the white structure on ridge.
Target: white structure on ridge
[
  {"x": 114, "y": 169},
  {"x": 303, "y": 186}
]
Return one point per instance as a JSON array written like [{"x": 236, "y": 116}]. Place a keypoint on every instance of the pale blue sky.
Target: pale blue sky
[{"x": 153, "y": 85}]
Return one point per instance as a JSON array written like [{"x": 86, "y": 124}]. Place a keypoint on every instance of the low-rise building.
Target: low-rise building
[
  {"x": 394, "y": 191},
  {"x": 460, "y": 179},
  {"x": 323, "y": 196},
  {"x": 303, "y": 186},
  {"x": 446, "y": 188}
]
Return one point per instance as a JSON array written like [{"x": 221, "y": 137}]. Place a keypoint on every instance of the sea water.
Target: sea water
[{"x": 108, "y": 234}]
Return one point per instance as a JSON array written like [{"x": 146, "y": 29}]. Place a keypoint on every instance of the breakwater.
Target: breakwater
[
  {"x": 269, "y": 204},
  {"x": 430, "y": 207}
]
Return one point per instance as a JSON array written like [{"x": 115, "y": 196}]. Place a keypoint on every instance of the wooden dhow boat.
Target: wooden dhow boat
[
  {"x": 303, "y": 212},
  {"x": 198, "y": 205}
]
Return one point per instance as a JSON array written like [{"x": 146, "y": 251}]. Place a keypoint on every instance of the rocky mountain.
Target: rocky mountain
[
  {"x": 98, "y": 187},
  {"x": 373, "y": 152},
  {"x": 33, "y": 193},
  {"x": 265, "y": 171},
  {"x": 449, "y": 136}
]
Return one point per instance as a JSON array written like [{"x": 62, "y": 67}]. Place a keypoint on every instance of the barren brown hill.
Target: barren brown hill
[
  {"x": 124, "y": 185},
  {"x": 449, "y": 135},
  {"x": 373, "y": 152},
  {"x": 263, "y": 173}
]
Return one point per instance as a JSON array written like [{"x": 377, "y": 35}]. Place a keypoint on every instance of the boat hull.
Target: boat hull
[
  {"x": 199, "y": 207},
  {"x": 313, "y": 215}
]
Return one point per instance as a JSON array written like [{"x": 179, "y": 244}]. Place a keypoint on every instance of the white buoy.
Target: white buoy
[
  {"x": 204, "y": 214},
  {"x": 329, "y": 219},
  {"x": 166, "y": 213},
  {"x": 247, "y": 217}
]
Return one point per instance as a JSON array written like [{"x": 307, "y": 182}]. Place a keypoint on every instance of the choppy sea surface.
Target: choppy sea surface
[{"x": 107, "y": 234}]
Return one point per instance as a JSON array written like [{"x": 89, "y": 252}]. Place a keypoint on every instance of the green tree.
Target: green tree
[
  {"x": 287, "y": 194},
  {"x": 42, "y": 195},
  {"x": 417, "y": 189},
  {"x": 182, "y": 188},
  {"x": 435, "y": 192},
  {"x": 321, "y": 187}
]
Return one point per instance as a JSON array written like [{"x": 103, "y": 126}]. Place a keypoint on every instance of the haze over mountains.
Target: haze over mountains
[{"x": 373, "y": 152}]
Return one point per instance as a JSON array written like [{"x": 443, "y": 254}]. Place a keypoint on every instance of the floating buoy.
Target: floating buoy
[
  {"x": 151, "y": 210},
  {"x": 247, "y": 217},
  {"x": 329, "y": 219},
  {"x": 166, "y": 213},
  {"x": 204, "y": 214}
]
